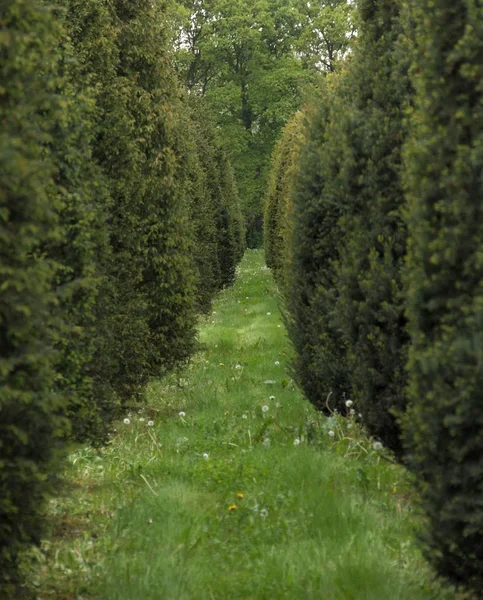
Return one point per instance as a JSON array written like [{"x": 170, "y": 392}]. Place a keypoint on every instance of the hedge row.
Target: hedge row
[
  {"x": 384, "y": 296},
  {"x": 119, "y": 221}
]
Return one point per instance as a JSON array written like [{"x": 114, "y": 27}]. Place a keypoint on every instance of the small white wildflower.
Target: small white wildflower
[
  {"x": 264, "y": 513},
  {"x": 349, "y": 403},
  {"x": 182, "y": 413},
  {"x": 331, "y": 434},
  {"x": 377, "y": 446},
  {"x": 150, "y": 423},
  {"x": 206, "y": 456},
  {"x": 127, "y": 421},
  {"x": 277, "y": 363},
  {"x": 265, "y": 408},
  {"x": 141, "y": 419},
  {"x": 266, "y": 442},
  {"x": 296, "y": 441},
  {"x": 244, "y": 416}
]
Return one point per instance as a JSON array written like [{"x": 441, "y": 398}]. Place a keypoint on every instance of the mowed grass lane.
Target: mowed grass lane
[{"x": 230, "y": 485}]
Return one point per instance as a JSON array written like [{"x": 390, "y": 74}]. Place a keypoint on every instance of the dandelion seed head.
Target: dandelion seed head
[
  {"x": 182, "y": 413},
  {"x": 150, "y": 423},
  {"x": 377, "y": 446},
  {"x": 269, "y": 314},
  {"x": 244, "y": 416},
  {"x": 296, "y": 441},
  {"x": 264, "y": 513},
  {"x": 349, "y": 403},
  {"x": 127, "y": 421},
  {"x": 272, "y": 398},
  {"x": 206, "y": 456},
  {"x": 265, "y": 408},
  {"x": 277, "y": 363},
  {"x": 331, "y": 434}
]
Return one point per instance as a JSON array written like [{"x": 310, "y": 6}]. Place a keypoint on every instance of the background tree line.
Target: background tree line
[
  {"x": 119, "y": 221},
  {"x": 374, "y": 231},
  {"x": 252, "y": 61}
]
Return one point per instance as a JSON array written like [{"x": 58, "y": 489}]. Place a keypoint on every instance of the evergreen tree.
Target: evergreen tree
[
  {"x": 443, "y": 159},
  {"x": 312, "y": 297},
  {"x": 372, "y": 233},
  {"x": 30, "y": 409}
]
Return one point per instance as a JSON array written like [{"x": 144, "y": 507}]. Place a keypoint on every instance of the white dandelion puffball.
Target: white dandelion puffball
[
  {"x": 269, "y": 314},
  {"x": 296, "y": 441},
  {"x": 264, "y": 513},
  {"x": 331, "y": 434},
  {"x": 272, "y": 398},
  {"x": 349, "y": 403},
  {"x": 277, "y": 363},
  {"x": 278, "y": 405},
  {"x": 141, "y": 419},
  {"x": 127, "y": 421},
  {"x": 238, "y": 366},
  {"x": 265, "y": 408},
  {"x": 377, "y": 446},
  {"x": 206, "y": 456},
  {"x": 150, "y": 423},
  {"x": 244, "y": 416},
  {"x": 182, "y": 413}
]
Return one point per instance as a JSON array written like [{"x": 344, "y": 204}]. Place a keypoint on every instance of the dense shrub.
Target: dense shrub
[
  {"x": 278, "y": 201},
  {"x": 445, "y": 284},
  {"x": 372, "y": 232},
  {"x": 30, "y": 409},
  {"x": 312, "y": 296},
  {"x": 81, "y": 250}
]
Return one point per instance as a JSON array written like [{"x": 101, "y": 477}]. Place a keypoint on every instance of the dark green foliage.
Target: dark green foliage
[
  {"x": 30, "y": 418},
  {"x": 278, "y": 202},
  {"x": 81, "y": 251},
  {"x": 320, "y": 363},
  {"x": 445, "y": 284},
  {"x": 373, "y": 235}
]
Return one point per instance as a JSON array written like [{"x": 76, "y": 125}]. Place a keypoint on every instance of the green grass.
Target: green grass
[{"x": 148, "y": 517}]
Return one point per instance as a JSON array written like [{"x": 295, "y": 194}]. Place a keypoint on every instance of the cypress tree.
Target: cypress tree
[
  {"x": 320, "y": 363},
  {"x": 278, "y": 202},
  {"x": 372, "y": 231},
  {"x": 443, "y": 160},
  {"x": 30, "y": 408}
]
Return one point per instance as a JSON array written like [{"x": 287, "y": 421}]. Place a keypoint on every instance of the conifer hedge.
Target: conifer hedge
[
  {"x": 444, "y": 157},
  {"x": 114, "y": 233},
  {"x": 278, "y": 201},
  {"x": 372, "y": 232},
  {"x": 321, "y": 353},
  {"x": 30, "y": 420}
]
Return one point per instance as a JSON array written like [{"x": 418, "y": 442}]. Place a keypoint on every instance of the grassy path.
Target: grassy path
[{"x": 229, "y": 485}]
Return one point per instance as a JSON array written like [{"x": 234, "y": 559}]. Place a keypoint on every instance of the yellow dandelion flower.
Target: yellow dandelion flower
[
  {"x": 222, "y": 364},
  {"x": 240, "y": 495},
  {"x": 232, "y": 507}
]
